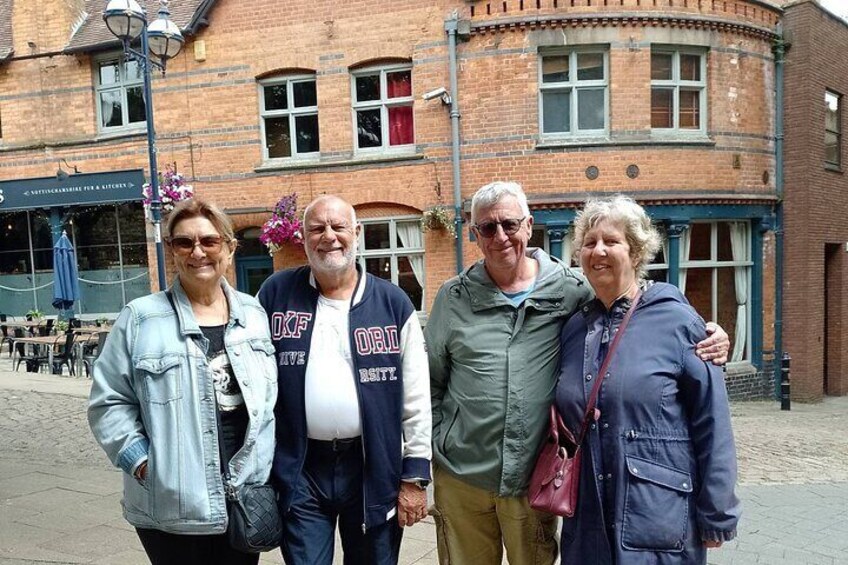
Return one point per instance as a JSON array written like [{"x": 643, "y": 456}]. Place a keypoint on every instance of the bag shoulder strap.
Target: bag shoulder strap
[{"x": 593, "y": 397}]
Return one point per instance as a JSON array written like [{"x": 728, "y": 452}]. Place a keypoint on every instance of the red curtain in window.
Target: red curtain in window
[
  {"x": 399, "y": 84},
  {"x": 400, "y": 125}
]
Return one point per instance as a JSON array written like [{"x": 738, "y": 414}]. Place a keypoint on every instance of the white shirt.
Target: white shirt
[{"x": 332, "y": 403}]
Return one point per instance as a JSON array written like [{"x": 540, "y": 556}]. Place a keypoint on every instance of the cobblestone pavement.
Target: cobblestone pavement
[{"x": 60, "y": 496}]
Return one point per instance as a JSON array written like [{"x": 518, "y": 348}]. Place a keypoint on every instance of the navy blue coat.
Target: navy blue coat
[{"x": 659, "y": 465}]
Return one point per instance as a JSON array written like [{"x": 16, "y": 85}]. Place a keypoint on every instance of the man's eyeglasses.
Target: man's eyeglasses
[
  {"x": 184, "y": 245},
  {"x": 489, "y": 229}
]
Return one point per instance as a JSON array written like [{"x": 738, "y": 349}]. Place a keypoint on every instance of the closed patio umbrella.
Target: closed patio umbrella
[{"x": 65, "y": 283}]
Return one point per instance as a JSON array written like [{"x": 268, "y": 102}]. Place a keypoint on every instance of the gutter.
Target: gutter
[
  {"x": 779, "y": 48},
  {"x": 456, "y": 28}
]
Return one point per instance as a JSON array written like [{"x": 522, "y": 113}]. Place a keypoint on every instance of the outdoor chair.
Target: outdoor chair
[
  {"x": 47, "y": 328},
  {"x": 33, "y": 361},
  {"x": 91, "y": 351},
  {"x": 6, "y": 338},
  {"x": 65, "y": 356}
]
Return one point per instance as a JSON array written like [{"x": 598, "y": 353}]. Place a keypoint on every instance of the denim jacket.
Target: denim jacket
[{"x": 152, "y": 400}]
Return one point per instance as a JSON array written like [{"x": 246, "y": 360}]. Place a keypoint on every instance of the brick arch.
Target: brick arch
[
  {"x": 285, "y": 71},
  {"x": 378, "y": 61},
  {"x": 384, "y": 210}
]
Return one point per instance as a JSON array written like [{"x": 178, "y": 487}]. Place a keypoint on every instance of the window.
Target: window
[
  {"x": 120, "y": 94},
  {"x": 715, "y": 276},
  {"x": 678, "y": 90},
  {"x": 382, "y": 108},
  {"x": 289, "y": 111},
  {"x": 832, "y": 129},
  {"x": 573, "y": 93},
  {"x": 393, "y": 249}
]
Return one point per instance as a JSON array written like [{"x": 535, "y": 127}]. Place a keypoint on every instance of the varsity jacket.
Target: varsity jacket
[{"x": 392, "y": 382}]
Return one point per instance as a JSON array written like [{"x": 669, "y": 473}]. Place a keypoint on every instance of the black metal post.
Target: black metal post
[
  {"x": 155, "y": 203},
  {"x": 785, "y": 401}
]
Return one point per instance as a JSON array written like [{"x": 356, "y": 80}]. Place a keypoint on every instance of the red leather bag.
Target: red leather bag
[{"x": 556, "y": 477}]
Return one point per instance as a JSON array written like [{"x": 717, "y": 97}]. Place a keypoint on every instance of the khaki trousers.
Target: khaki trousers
[{"x": 474, "y": 525}]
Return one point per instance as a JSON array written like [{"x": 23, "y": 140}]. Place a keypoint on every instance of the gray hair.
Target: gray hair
[
  {"x": 493, "y": 192},
  {"x": 642, "y": 237},
  {"x": 324, "y": 197}
]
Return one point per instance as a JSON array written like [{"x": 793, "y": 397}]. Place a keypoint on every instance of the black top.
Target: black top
[{"x": 231, "y": 407}]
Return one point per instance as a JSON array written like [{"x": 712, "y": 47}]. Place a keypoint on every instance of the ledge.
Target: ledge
[
  {"x": 270, "y": 166},
  {"x": 738, "y": 368},
  {"x": 700, "y": 141},
  {"x": 103, "y": 138},
  {"x": 833, "y": 168}
]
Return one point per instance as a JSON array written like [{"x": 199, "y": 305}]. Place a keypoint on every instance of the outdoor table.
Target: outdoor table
[{"x": 40, "y": 341}]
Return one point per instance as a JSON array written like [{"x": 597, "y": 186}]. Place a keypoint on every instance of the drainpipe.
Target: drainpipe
[
  {"x": 779, "y": 48},
  {"x": 452, "y": 27}
]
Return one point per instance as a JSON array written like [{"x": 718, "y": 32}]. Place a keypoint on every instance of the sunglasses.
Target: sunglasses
[
  {"x": 509, "y": 226},
  {"x": 184, "y": 245}
]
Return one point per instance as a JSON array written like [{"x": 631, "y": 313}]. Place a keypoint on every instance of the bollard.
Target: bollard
[{"x": 785, "y": 401}]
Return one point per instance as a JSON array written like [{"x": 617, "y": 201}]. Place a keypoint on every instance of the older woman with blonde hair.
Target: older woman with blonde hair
[
  {"x": 184, "y": 392},
  {"x": 659, "y": 463}
]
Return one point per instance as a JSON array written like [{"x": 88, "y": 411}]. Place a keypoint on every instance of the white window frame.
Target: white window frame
[
  {"x": 291, "y": 112},
  {"x": 574, "y": 86},
  {"x": 714, "y": 264},
  {"x": 392, "y": 252},
  {"x": 123, "y": 84},
  {"x": 676, "y": 85},
  {"x": 384, "y": 103},
  {"x": 838, "y": 131}
]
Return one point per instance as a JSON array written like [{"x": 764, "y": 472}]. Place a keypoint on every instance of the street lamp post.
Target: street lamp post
[{"x": 160, "y": 39}]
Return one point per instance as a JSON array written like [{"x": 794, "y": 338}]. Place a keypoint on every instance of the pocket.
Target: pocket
[
  {"x": 447, "y": 431},
  {"x": 265, "y": 354},
  {"x": 656, "y": 506},
  {"x": 162, "y": 378}
]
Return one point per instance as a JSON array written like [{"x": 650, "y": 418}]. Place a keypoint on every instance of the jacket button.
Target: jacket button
[
  {"x": 592, "y": 426},
  {"x": 588, "y": 377},
  {"x": 600, "y": 476},
  {"x": 606, "y": 425},
  {"x": 237, "y": 352},
  {"x": 609, "y": 476},
  {"x": 685, "y": 485},
  {"x": 245, "y": 383},
  {"x": 635, "y": 471}
]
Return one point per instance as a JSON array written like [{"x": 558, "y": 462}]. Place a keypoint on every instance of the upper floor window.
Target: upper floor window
[
  {"x": 833, "y": 129},
  {"x": 393, "y": 249},
  {"x": 289, "y": 112},
  {"x": 382, "y": 108},
  {"x": 120, "y": 94},
  {"x": 678, "y": 90},
  {"x": 573, "y": 93}
]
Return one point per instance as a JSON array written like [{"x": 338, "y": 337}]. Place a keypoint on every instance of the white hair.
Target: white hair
[
  {"x": 642, "y": 237},
  {"x": 329, "y": 197},
  {"x": 493, "y": 192}
]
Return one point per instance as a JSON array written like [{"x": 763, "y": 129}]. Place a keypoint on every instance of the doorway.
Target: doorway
[
  {"x": 253, "y": 264},
  {"x": 832, "y": 371}
]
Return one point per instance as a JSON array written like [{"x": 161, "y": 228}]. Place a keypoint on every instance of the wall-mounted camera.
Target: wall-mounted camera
[{"x": 440, "y": 92}]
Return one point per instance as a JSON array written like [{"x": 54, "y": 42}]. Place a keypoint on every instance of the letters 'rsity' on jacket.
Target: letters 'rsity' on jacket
[
  {"x": 493, "y": 369},
  {"x": 390, "y": 367},
  {"x": 663, "y": 444},
  {"x": 152, "y": 399}
]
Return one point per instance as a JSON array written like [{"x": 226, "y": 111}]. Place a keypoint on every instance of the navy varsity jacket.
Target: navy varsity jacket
[{"x": 392, "y": 380}]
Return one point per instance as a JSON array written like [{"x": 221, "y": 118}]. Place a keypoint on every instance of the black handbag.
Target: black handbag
[
  {"x": 254, "y": 523},
  {"x": 254, "y": 517}
]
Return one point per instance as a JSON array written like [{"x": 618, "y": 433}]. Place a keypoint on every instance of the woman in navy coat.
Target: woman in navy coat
[{"x": 659, "y": 462}]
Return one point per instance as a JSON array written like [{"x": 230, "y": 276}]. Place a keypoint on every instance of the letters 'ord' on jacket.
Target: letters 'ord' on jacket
[
  {"x": 493, "y": 369},
  {"x": 152, "y": 399},
  {"x": 662, "y": 450},
  {"x": 390, "y": 368}
]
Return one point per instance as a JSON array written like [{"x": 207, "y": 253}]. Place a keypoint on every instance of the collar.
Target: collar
[
  {"x": 185, "y": 315},
  {"x": 485, "y": 293},
  {"x": 359, "y": 291}
]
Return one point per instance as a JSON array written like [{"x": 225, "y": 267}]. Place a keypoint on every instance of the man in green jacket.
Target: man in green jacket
[{"x": 493, "y": 342}]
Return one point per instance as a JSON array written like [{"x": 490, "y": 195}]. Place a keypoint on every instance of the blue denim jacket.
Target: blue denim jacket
[{"x": 152, "y": 399}]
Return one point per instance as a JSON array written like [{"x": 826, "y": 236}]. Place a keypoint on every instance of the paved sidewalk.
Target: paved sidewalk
[{"x": 60, "y": 497}]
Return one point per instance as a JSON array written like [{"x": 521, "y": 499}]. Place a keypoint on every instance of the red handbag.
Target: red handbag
[{"x": 556, "y": 476}]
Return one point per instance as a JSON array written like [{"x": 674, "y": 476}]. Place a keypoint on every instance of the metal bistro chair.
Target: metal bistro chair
[
  {"x": 33, "y": 362},
  {"x": 91, "y": 351},
  {"x": 5, "y": 331},
  {"x": 66, "y": 355},
  {"x": 47, "y": 328}
]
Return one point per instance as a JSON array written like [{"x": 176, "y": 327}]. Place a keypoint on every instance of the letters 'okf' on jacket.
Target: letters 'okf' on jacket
[
  {"x": 493, "y": 369},
  {"x": 391, "y": 382},
  {"x": 152, "y": 399}
]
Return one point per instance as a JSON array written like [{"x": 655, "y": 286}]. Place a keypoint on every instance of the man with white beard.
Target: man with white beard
[{"x": 353, "y": 394}]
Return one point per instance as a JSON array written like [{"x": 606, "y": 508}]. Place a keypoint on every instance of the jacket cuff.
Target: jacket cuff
[
  {"x": 718, "y": 535},
  {"x": 415, "y": 468},
  {"x": 131, "y": 457}
]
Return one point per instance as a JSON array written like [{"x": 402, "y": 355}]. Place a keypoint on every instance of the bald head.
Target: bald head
[{"x": 329, "y": 200}]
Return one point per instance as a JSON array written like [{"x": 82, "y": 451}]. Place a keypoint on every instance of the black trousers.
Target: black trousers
[{"x": 173, "y": 549}]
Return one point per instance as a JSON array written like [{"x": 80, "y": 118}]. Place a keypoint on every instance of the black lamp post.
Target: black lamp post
[{"x": 161, "y": 40}]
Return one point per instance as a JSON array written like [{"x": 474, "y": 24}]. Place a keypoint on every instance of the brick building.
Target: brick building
[
  {"x": 670, "y": 101},
  {"x": 815, "y": 300}
]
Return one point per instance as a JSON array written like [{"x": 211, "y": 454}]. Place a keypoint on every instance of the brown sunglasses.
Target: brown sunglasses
[{"x": 184, "y": 245}]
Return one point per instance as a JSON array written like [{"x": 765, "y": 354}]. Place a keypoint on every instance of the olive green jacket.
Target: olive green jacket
[{"x": 493, "y": 371}]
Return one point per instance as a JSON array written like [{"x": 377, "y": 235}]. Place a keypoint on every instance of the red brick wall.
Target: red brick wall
[{"x": 816, "y": 206}]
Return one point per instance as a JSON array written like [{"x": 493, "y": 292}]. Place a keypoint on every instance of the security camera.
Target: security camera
[{"x": 439, "y": 92}]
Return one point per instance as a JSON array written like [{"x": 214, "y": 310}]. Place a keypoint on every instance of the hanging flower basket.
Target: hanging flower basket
[
  {"x": 283, "y": 226},
  {"x": 172, "y": 189},
  {"x": 438, "y": 218}
]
